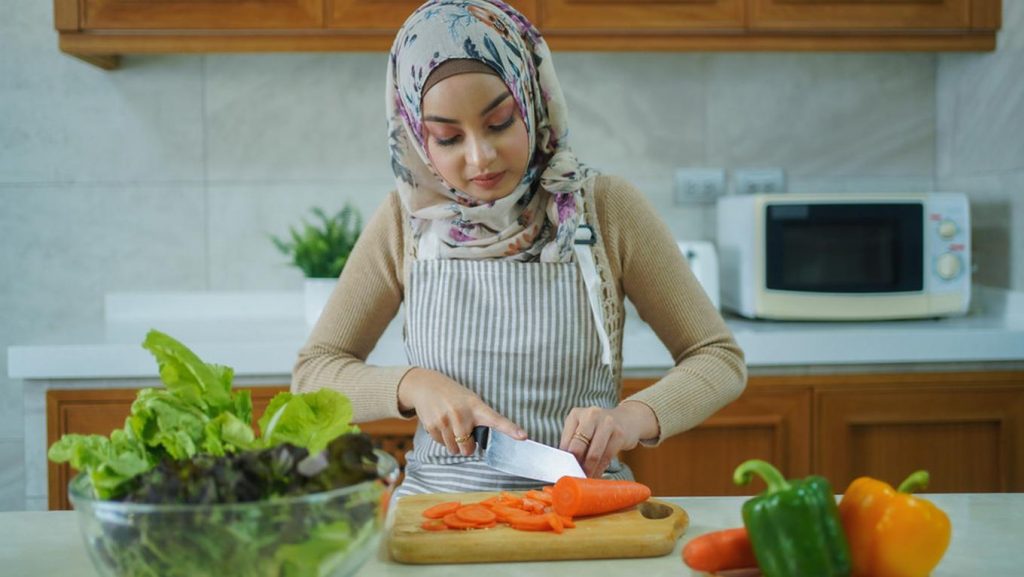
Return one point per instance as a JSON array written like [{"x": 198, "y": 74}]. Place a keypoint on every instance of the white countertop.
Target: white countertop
[
  {"x": 986, "y": 541},
  {"x": 260, "y": 333}
]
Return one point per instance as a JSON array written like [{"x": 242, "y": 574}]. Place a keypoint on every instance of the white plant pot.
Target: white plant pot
[{"x": 316, "y": 292}]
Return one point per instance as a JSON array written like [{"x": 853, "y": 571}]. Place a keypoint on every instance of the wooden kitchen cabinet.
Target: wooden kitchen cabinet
[
  {"x": 768, "y": 422},
  {"x": 192, "y": 14},
  {"x": 98, "y": 31},
  {"x": 965, "y": 428},
  {"x": 870, "y": 14},
  {"x": 387, "y": 17},
  {"x": 643, "y": 16},
  {"x": 862, "y": 25}
]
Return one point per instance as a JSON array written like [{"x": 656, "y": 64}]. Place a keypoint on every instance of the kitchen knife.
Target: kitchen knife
[{"x": 527, "y": 458}]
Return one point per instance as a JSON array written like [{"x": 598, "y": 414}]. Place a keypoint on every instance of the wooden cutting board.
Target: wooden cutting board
[{"x": 647, "y": 530}]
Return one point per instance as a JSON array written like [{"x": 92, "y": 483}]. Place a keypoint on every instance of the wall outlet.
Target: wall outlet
[
  {"x": 758, "y": 180},
  {"x": 698, "y": 185}
]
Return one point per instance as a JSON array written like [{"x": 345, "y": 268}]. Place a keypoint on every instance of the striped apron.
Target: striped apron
[{"x": 524, "y": 336}]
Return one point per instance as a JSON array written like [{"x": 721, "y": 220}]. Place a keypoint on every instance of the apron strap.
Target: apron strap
[{"x": 586, "y": 238}]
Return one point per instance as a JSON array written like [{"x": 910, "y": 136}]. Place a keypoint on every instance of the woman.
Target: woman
[{"x": 512, "y": 260}]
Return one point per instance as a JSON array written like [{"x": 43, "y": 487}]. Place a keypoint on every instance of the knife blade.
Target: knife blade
[{"x": 527, "y": 458}]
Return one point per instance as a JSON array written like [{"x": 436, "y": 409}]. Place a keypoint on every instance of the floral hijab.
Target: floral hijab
[{"x": 538, "y": 220}]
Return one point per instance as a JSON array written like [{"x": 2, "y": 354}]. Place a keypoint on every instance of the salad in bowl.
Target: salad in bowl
[{"x": 189, "y": 487}]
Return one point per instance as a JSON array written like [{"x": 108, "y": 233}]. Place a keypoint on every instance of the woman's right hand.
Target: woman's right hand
[{"x": 448, "y": 410}]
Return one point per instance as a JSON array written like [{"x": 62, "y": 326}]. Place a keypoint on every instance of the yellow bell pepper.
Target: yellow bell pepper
[{"x": 893, "y": 533}]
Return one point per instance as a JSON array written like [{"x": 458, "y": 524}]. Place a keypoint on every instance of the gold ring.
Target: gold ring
[
  {"x": 581, "y": 437},
  {"x": 462, "y": 439}
]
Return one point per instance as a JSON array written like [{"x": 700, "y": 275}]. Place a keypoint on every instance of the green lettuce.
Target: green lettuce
[
  {"x": 309, "y": 420},
  {"x": 192, "y": 442},
  {"x": 197, "y": 412},
  {"x": 203, "y": 385},
  {"x": 110, "y": 462}
]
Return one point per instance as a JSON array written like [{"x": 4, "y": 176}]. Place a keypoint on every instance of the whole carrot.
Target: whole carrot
[
  {"x": 575, "y": 497},
  {"x": 720, "y": 550}
]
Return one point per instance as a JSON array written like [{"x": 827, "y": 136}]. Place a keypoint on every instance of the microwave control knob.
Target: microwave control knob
[
  {"x": 947, "y": 229},
  {"x": 948, "y": 266}
]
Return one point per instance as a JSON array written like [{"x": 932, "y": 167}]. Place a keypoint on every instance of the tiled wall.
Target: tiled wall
[
  {"x": 170, "y": 172},
  {"x": 980, "y": 146}
]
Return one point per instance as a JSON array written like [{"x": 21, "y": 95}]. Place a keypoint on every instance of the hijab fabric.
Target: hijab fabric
[{"x": 538, "y": 220}]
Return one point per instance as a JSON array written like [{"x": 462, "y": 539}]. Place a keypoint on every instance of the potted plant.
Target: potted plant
[{"x": 321, "y": 250}]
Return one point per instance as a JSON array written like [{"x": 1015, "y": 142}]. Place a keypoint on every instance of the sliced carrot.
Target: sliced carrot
[
  {"x": 532, "y": 505},
  {"x": 539, "y": 496},
  {"x": 531, "y": 523},
  {"x": 505, "y": 513},
  {"x": 575, "y": 497},
  {"x": 513, "y": 502},
  {"x": 434, "y": 525},
  {"x": 720, "y": 550},
  {"x": 549, "y": 489},
  {"x": 453, "y": 522},
  {"x": 529, "y": 513},
  {"x": 476, "y": 514},
  {"x": 441, "y": 509},
  {"x": 556, "y": 522}
]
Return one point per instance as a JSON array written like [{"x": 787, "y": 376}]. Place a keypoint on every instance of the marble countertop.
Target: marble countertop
[
  {"x": 986, "y": 541},
  {"x": 259, "y": 334}
]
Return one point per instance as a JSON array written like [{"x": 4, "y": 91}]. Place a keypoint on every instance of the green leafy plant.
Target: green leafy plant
[
  {"x": 297, "y": 499},
  {"x": 321, "y": 250},
  {"x": 197, "y": 412}
]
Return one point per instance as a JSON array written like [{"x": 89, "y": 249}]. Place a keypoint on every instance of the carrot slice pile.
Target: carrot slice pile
[
  {"x": 531, "y": 512},
  {"x": 550, "y": 509},
  {"x": 441, "y": 509}
]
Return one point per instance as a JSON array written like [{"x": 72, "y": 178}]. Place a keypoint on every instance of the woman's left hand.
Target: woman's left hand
[{"x": 596, "y": 435}]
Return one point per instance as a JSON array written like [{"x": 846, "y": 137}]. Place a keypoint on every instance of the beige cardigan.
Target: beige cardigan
[{"x": 638, "y": 258}]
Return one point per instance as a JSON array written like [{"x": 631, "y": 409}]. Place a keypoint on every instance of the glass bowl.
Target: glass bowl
[{"x": 330, "y": 533}]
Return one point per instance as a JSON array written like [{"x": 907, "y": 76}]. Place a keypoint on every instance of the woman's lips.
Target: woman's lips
[{"x": 489, "y": 180}]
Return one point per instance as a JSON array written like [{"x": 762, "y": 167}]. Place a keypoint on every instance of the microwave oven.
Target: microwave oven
[{"x": 841, "y": 256}]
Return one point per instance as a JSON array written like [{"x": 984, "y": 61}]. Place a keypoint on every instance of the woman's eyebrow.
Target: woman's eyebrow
[{"x": 494, "y": 103}]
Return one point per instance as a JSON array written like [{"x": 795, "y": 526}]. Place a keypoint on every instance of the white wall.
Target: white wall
[
  {"x": 170, "y": 172},
  {"x": 980, "y": 146}
]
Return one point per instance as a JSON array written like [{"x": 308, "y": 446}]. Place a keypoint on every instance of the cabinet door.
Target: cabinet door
[
  {"x": 639, "y": 17},
  {"x": 861, "y": 14},
  {"x": 374, "y": 15},
  {"x": 767, "y": 422},
  {"x": 970, "y": 438},
  {"x": 201, "y": 14}
]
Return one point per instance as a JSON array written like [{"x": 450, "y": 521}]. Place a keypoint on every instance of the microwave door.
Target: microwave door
[{"x": 844, "y": 248}]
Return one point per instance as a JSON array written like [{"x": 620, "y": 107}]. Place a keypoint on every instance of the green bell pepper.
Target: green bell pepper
[{"x": 794, "y": 525}]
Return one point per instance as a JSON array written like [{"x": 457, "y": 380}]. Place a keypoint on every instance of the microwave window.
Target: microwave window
[{"x": 853, "y": 248}]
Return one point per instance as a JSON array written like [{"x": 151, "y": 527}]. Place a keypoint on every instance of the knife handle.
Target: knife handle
[{"x": 481, "y": 435}]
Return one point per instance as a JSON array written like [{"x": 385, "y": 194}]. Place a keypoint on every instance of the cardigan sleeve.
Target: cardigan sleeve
[
  {"x": 367, "y": 297},
  {"x": 709, "y": 370}
]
